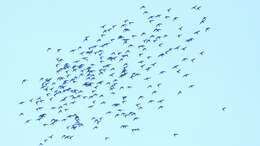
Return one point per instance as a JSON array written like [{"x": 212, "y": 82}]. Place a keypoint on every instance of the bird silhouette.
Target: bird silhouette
[{"x": 24, "y": 80}]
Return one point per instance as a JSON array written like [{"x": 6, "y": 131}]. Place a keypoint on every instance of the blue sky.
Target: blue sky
[{"x": 227, "y": 75}]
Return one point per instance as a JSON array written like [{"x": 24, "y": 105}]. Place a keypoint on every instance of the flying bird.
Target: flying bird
[
  {"x": 179, "y": 92},
  {"x": 24, "y": 80}
]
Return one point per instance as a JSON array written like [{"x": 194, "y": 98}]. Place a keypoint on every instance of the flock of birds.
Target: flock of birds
[{"x": 104, "y": 75}]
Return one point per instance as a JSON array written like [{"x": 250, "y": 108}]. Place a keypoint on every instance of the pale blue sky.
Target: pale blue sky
[{"x": 227, "y": 75}]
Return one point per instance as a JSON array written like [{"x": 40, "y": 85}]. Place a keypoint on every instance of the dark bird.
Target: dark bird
[
  {"x": 166, "y": 17},
  {"x": 185, "y": 75},
  {"x": 194, "y": 7},
  {"x": 149, "y": 86},
  {"x": 207, "y": 29},
  {"x": 115, "y": 104},
  {"x": 162, "y": 72},
  {"x": 179, "y": 92},
  {"x": 224, "y": 108},
  {"x": 175, "y": 18},
  {"x": 202, "y": 52},
  {"x": 145, "y": 12},
  {"x": 51, "y": 136},
  {"x": 154, "y": 92},
  {"x": 123, "y": 126},
  {"x": 159, "y": 24},
  {"x": 86, "y": 38},
  {"x": 142, "y": 7},
  {"x": 180, "y": 28},
  {"x": 184, "y": 59},
  {"x": 24, "y": 80},
  {"x": 160, "y": 101},
  {"x": 190, "y": 39},
  {"x": 193, "y": 59},
  {"x": 203, "y": 20},
  {"x": 136, "y": 129},
  {"x": 174, "y": 67},
  {"x": 159, "y": 84},
  {"x": 191, "y": 86},
  {"x": 27, "y": 121},
  {"x": 48, "y": 49},
  {"x": 140, "y": 97},
  {"x": 22, "y": 102},
  {"x": 160, "y": 107},
  {"x": 196, "y": 32},
  {"x": 103, "y": 26},
  {"x": 136, "y": 118}
]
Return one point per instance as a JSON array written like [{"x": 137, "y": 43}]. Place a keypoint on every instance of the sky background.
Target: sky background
[{"x": 227, "y": 75}]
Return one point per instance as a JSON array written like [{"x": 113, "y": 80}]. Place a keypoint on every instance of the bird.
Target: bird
[
  {"x": 24, "y": 80},
  {"x": 123, "y": 126},
  {"x": 174, "y": 67},
  {"x": 135, "y": 129},
  {"x": 185, "y": 75},
  {"x": 198, "y": 8},
  {"x": 203, "y": 20},
  {"x": 142, "y": 7},
  {"x": 86, "y": 38},
  {"x": 180, "y": 28},
  {"x": 22, "y": 102},
  {"x": 27, "y": 121},
  {"x": 196, "y": 32},
  {"x": 194, "y": 7},
  {"x": 51, "y": 136},
  {"x": 154, "y": 92},
  {"x": 48, "y": 49},
  {"x": 193, "y": 59},
  {"x": 207, "y": 29},
  {"x": 159, "y": 84},
  {"x": 175, "y": 18},
  {"x": 202, "y": 52},
  {"x": 136, "y": 118},
  {"x": 224, "y": 108},
  {"x": 190, "y": 39},
  {"x": 191, "y": 86},
  {"x": 160, "y": 107}
]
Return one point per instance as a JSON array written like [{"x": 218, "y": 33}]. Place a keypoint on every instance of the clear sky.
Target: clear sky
[{"x": 227, "y": 75}]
